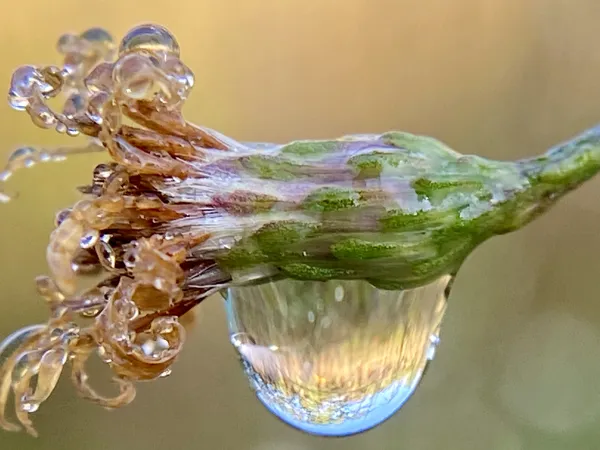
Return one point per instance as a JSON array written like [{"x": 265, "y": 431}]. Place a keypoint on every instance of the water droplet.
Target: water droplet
[
  {"x": 126, "y": 309},
  {"x": 89, "y": 239},
  {"x": 166, "y": 373},
  {"x": 48, "y": 289},
  {"x": 28, "y": 406},
  {"x": 153, "y": 38},
  {"x": 348, "y": 368},
  {"x": 74, "y": 105},
  {"x": 5, "y": 175},
  {"x": 19, "y": 156},
  {"x": 13, "y": 341},
  {"x": 61, "y": 127},
  {"x": 4, "y": 198},
  {"x": 97, "y": 35},
  {"x": 61, "y": 216},
  {"x": 100, "y": 79},
  {"x": 22, "y": 87},
  {"x": 155, "y": 348}
]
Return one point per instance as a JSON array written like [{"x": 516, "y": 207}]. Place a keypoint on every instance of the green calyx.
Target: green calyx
[{"x": 397, "y": 209}]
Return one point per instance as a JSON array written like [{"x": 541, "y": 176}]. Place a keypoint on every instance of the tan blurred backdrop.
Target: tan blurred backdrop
[{"x": 519, "y": 363}]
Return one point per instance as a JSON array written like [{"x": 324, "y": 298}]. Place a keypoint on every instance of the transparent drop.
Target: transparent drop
[
  {"x": 61, "y": 127},
  {"x": 348, "y": 369},
  {"x": 22, "y": 87},
  {"x": 153, "y": 38},
  {"x": 97, "y": 35},
  {"x": 28, "y": 406},
  {"x": 75, "y": 104},
  {"x": 5, "y": 175},
  {"x": 12, "y": 342},
  {"x": 21, "y": 155},
  {"x": 67, "y": 43},
  {"x": 89, "y": 239},
  {"x": 61, "y": 216},
  {"x": 126, "y": 309}
]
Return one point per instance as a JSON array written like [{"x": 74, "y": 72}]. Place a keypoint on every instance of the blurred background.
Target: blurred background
[{"x": 519, "y": 362}]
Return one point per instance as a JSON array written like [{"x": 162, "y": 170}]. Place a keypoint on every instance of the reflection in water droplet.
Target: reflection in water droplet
[
  {"x": 14, "y": 340},
  {"x": 97, "y": 35},
  {"x": 154, "y": 38},
  {"x": 350, "y": 368}
]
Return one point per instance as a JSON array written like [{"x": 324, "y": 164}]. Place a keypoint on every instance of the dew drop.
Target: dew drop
[
  {"x": 13, "y": 341},
  {"x": 61, "y": 127},
  {"x": 89, "y": 239},
  {"x": 28, "y": 406},
  {"x": 351, "y": 367},
  {"x": 5, "y": 175},
  {"x": 97, "y": 35},
  {"x": 153, "y": 38},
  {"x": 22, "y": 87},
  {"x": 61, "y": 216},
  {"x": 21, "y": 155},
  {"x": 166, "y": 373}
]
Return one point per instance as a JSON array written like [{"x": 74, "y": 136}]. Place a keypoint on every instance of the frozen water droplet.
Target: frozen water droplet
[
  {"x": 153, "y": 38},
  {"x": 349, "y": 368},
  {"x": 89, "y": 239}
]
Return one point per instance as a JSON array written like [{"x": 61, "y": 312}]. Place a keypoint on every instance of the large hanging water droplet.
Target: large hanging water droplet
[
  {"x": 153, "y": 38},
  {"x": 335, "y": 358}
]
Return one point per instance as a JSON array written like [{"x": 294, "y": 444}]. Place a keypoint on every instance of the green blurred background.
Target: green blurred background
[{"x": 519, "y": 363}]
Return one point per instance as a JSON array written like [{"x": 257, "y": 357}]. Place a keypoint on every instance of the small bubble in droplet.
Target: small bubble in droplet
[
  {"x": 153, "y": 38},
  {"x": 89, "y": 239}
]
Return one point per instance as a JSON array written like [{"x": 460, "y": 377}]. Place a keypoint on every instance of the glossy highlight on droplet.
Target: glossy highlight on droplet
[{"x": 335, "y": 358}]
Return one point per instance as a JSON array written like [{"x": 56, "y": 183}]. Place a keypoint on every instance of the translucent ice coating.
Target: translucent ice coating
[{"x": 181, "y": 211}]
